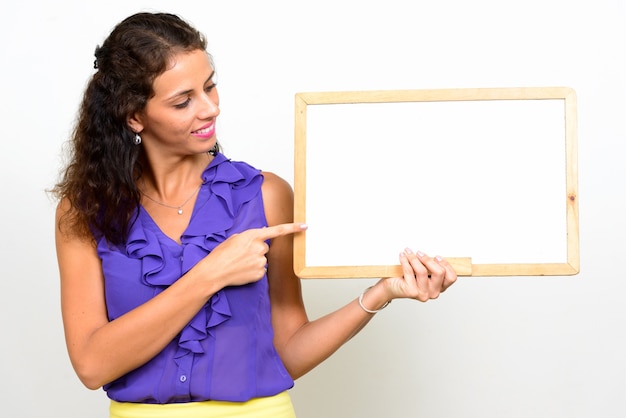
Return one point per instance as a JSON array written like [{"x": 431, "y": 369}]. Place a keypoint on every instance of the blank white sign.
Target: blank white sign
[{"x": 484, "y": 179}]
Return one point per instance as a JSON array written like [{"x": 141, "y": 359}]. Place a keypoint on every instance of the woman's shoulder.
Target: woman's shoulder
[
  {"x": 68, "y": 223},
  {"x": 277, "y": 198},
  {"x": 273, "y": 180}
]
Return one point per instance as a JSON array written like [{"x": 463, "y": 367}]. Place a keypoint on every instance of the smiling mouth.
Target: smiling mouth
[{"x": 204, "y": 131}]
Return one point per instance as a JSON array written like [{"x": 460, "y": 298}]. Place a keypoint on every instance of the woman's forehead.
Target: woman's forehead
[{"x": 184, "y": 70}]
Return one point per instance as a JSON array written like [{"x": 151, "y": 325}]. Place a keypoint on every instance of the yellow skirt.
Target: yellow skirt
[{"x": 278, "y": 406}]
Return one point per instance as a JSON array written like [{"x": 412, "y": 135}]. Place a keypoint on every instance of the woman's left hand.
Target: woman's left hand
[{"x": 424, "y": 277}]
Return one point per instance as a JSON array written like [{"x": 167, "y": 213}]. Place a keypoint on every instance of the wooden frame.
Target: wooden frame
[{"x": 463, "y": 265}]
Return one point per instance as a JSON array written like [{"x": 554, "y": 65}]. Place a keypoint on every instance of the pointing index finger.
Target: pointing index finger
[{"x": 280, "y": 230}]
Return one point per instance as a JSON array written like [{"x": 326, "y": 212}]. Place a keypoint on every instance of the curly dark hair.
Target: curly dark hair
[{"x": 99, "y": 180}]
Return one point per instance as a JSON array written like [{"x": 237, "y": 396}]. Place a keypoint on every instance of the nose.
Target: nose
[{"x": 210, "y": 106}]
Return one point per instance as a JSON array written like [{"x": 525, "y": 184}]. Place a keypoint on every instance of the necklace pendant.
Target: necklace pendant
[{"x": 180, "y": 211}]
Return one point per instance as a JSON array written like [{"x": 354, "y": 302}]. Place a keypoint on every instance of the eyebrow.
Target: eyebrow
[{"x": 186, "y": 92}]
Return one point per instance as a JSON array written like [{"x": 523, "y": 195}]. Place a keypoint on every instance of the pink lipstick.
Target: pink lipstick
[{"x": 207, "y": 131}]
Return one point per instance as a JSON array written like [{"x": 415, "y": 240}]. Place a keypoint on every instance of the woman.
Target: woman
[{"x": 178, "y": 292}]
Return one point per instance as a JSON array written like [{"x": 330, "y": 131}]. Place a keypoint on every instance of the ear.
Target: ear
[{"x": 135, "y": 123}]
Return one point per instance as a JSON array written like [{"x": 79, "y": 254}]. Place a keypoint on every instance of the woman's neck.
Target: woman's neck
[{"x": 171, "y": 181}]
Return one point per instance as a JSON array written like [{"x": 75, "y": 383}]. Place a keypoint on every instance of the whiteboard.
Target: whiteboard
[{"x": 487, "y": 178}]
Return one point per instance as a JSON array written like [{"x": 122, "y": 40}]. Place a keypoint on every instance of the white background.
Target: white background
[{"x": 490, "y": 347}]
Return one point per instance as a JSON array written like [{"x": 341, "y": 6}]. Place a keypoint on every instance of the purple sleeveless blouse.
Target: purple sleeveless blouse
[{"x": 226, "y": 351}]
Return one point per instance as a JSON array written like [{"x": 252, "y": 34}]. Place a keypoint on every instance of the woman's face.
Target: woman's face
[{"x": 180, "y": 118}]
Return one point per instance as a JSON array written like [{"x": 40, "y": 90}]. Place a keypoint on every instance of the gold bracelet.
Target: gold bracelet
[{"x": 369, "y": 310}]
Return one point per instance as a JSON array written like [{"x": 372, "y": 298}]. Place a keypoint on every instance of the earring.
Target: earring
[{"x": 137, "y": 139}]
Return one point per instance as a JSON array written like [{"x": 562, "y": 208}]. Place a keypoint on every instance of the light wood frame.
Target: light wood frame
[{"x": 462, "y": 265}]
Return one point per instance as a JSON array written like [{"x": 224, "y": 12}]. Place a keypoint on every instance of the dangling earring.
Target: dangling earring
[
  {"x": 213, "y": 151},
  {"x": 137, "y": 139}
]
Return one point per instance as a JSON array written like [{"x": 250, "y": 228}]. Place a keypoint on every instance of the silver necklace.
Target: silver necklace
[{"x": 178, "y": 208}]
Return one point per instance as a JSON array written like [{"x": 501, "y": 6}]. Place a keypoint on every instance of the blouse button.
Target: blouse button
[{"x": 183, "y": 378}]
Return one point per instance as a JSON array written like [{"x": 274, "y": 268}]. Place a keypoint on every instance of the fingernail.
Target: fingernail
[
  {"x": 439, "y": 258},
  {"x": 408, "y": 251},
  {"x": 421, "y": 254},
  {"x": 303, "y": 226}
]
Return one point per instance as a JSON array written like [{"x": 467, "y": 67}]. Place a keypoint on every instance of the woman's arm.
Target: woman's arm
[
  {"x": 102, "y": 351},
  {"x": 303, "y": 344}
]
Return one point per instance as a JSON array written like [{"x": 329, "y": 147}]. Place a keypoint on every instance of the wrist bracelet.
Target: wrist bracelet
[{"x": 369, "y": 310}]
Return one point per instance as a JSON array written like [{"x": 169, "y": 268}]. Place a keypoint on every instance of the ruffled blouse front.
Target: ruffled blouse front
[{"x": 226, "y": 351}]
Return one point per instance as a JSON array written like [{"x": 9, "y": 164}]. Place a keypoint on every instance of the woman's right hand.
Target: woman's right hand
[{"x": 241, "y": 258}]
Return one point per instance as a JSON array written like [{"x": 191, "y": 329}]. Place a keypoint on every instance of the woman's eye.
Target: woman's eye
[
  {"x": 183, "y": 104},
  {"x": 209, "y": 88}
]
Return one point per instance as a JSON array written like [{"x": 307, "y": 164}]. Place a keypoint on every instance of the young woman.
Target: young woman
[{"x": 178, "y": 292}]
